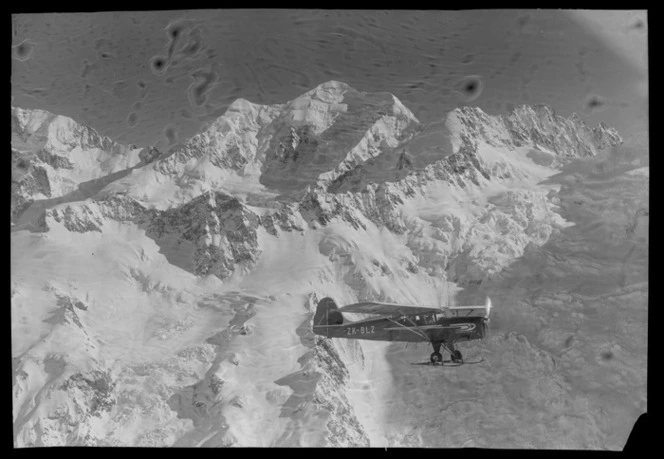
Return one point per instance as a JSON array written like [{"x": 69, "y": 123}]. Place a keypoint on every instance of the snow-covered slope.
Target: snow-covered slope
[
  {"x": 270, "y": 150},
  {"x": 172, "y": 306},
  {"x": 536, "y": 125},
  {"x": 54, "y": 156}
]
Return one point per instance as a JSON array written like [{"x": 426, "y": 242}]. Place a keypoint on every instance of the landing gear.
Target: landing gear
[
  {"x": 455, "y": 354},
  {"x": 437, "y": 357},
  {"x": 456, "y": 357}
]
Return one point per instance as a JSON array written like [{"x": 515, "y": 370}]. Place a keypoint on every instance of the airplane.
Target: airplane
[{"x": 398, "y": 322}]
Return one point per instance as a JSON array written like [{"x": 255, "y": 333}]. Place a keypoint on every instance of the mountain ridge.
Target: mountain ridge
[
  {"x": 352, "y": 196},
  {"x": 169, "y": 302}
]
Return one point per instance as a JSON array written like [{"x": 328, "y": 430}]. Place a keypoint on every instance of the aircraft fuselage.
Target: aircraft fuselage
[{"x": 408, "y": 328}]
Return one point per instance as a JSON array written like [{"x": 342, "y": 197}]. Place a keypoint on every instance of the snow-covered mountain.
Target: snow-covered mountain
[
  {"x": 167, "y": 299},
  {"x": 281, "y": 149},
  {"x": 55, "y": 158}
]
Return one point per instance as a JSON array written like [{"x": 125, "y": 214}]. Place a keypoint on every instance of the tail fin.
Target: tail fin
[{"x": 327, "y": 313}]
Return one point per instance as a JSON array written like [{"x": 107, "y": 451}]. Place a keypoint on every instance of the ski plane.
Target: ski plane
[{"x": 440, "y": 326}]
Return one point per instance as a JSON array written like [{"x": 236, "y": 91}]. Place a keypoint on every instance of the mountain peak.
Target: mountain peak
[
  {"x": 53, "y": 156},
  {"x": 330, "y": 91},
  {"x": 283, "y": 148},
  {"x": 535, "y": 125}
]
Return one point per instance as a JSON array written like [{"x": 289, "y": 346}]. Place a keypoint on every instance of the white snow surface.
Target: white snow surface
[
  {"x": 172, "y": 305},
  {"x": 88, "y": 154}
]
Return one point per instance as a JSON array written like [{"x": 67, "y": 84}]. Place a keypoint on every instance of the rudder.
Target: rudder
[{"x": 327, "y": 313}]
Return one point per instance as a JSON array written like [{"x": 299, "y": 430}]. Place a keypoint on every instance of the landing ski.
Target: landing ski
[{"x": 449, "y": 363}]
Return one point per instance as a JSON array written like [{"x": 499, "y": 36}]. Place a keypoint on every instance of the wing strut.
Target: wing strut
[{"x": 419, "y": 332}]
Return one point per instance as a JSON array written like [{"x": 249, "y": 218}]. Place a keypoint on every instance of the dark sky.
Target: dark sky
[{"x": 98, "y": 68}]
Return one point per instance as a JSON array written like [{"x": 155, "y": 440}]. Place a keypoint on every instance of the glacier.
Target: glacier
[{"x": 166, "y": 298}]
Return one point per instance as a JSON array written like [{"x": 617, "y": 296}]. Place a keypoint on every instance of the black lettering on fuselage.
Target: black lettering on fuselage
[{"x": 361, "y": 330}]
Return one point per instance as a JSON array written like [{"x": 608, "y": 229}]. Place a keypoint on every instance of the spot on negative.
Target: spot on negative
[
  {"x": 86, "y": 66},
  {"x": 521, "y": 21},
  {"x": 103, "y": 44},
  {"x": 122, "y": 89},
  {"x": 193, "y": 46},
  {"x": 104, "y": 48},
  {"x": 175, "y": 30},
  {"x": 639, "y": 24},
  {"x": 23, "y": 51},
  {"x": 36, "y": 93},
  {"x": 594, "y": 102},
  {"x": 143, "y": 86},
  {"x": 607, "y": 355},
  {"x": 158, "y": 65},
  {"x": 132, "y": 119},
  {"x": 171, "y": 134},
  {"x": 204, "y": 81},
  {"x": 469, "y": 87}
]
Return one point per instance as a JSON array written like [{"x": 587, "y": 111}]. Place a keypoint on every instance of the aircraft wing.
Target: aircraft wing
[{"x": 386, "y": 309}]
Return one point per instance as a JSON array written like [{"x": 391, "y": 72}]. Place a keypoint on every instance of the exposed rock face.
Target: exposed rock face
[
  {"x": 90, "y": 215},
  {"x": 343, "y": 426},
  {"x": 149, "y": 154},
  {"x": 96, "y": 388},
  {"x": 28, "y": 180},
  {"x": 54, "y": 133},
  {"x": 326, "y": 379},
  {"x": 285, "y": 148},
  {"x": 53, "y": 155},
  {"x": 221, "y": 229},
  {"x": 537, "y": 125},
  {"x": 217, "y": 233},
  {"x": 231, "y": 142}
]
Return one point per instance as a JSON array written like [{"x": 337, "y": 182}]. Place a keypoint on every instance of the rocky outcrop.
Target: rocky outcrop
[
  {"x": 53, "y": 155},
  {"x": 29, "y": 180},
  {"x": 90, "y": 215},
  {"x": 343, "y": 427},
  {"x": 222, "y": 230},
  {"x": 286, "y": 147},
  {"x": 54, "y": 133},
  {"x": 536, "y": 125},
  {"x": 96, "y": 389},
  {"x": 149, "y": 154},
  {"x": 319, "y": 391}
]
